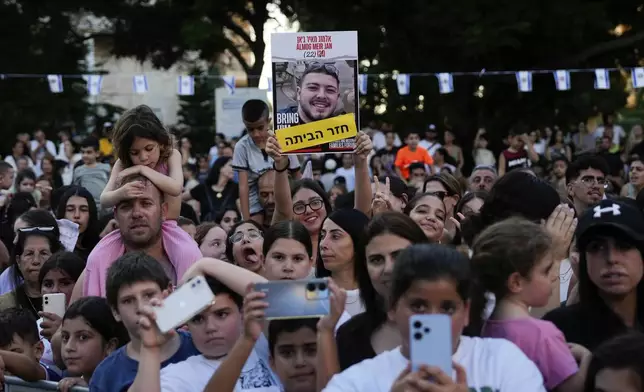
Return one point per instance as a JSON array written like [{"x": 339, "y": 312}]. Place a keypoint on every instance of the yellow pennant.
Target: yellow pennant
[{"x": 316, "y": 133}]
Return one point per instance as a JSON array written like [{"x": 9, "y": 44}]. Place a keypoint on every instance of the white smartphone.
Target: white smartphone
[
  {"x": 184, "y": 303},
  {"x": 54, "y": 303},
  {"x": 430, "y": 341}
]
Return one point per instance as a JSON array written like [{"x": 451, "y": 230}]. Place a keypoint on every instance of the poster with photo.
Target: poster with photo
[{"x": 315, "y": 78}]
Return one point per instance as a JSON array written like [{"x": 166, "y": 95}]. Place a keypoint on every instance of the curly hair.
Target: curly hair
[{"x": 140, "y": 122}]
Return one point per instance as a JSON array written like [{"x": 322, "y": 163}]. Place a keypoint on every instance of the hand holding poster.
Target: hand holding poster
[{"x": 315, "y": 79}]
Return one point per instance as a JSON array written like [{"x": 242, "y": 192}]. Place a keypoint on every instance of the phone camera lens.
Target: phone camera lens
[
  {"x": 46, "y": 302},
  {"x": 427, "y": 330},
  {"x": 417, "y": 324},
  {"x": 322, "y": 286},
  {"x": 199, "y": 281},
  {"x": 194, "y": 285},
  {"x": 418, "y": 336},
  {"x": 310, "y": 287}
]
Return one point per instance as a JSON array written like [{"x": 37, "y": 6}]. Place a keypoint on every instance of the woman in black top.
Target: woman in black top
[
  {"x": 368, "y": 334},
  {"x": 219, "y": 191},
  {"x": 610, "y": 238}
]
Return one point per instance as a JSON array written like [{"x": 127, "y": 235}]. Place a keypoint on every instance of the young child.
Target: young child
[
  {"x": 132, "y": 282},
  {"x": 409, "y": 154},
  {"x": 520, "y": 278},
  {"x": 617, "y": 365},
  {"x": 435, "y": 279},
  {"x": 214, "y": 332},
  {"x": 143, "y": 146},
  {"x": 92, "y": 175},
  {"x": 519, "y": 154},
  {"x": 89, "y": 334},
  {"x": 21, "y": 348}
]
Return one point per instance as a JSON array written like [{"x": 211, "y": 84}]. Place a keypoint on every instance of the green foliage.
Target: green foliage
[
  {"x": 197, "y": 111},
  {"x": 420, "y": 36},
  {"x": 38, "y": 39}
]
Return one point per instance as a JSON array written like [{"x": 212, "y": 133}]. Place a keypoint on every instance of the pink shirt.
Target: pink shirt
[{"x": 540, "y": 341}]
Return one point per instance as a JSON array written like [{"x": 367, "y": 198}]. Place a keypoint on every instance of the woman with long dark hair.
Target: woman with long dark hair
[
  {"x": 219, "y": 191},
  {"x": 78, "y": 206}
]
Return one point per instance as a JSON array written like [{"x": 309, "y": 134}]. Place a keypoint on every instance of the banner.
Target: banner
[
  {"x": 316, "y": 133},
  {"x": 315, "y": 77}
]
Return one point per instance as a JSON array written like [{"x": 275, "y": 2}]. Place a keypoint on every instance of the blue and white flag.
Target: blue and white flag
[
  {"x": 229, "y": 83},
  {"x": 524, "y": 81},
  {"x": 445, "y": 83},
  {"x": 562, "y": 79},
  {"x": 637, "y": 75},
  {"x": 186, "y": 85},
  {"x": 602, "y": 80},
  {"x": 362, "y": 84},
  {"x": 140, "y": 84},
  {"x": 269, "y": 84},
  {"x": 94, "y": 84},
  {"x": 55, "y": 83},
  {"x": 402, "y": 82}
]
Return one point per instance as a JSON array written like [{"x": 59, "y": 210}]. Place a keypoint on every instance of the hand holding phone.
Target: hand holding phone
[
  {"x": 289, "y": 299},
  {"x": 54, "y": 303},
  {"x": 253, "y": 311},
  {"x": 183, "y": 304},
  {"x": 430, "y": 342}
]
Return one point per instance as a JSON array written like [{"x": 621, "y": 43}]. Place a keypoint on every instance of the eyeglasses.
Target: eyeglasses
[
  {"x": 590, "y": 181},
  {"x": 251, "y": 234},
  {"x": 318, "y": 66},
  {"x": 300, "y": 208},
  {"x": 30, "y": 229}
]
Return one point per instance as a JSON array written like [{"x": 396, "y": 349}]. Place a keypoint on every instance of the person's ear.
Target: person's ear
[
  {"x": 164, "y": 210},
  {"x": 514, "y": 283},
  {"x": 466, "y": 309},
  {"x": 39, "y": 349},
  {"x": 116, "y": 315},
  {"x": 111, "y": 345}
]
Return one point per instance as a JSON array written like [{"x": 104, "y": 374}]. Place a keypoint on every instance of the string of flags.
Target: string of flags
[{"x": 186, "y": 83}]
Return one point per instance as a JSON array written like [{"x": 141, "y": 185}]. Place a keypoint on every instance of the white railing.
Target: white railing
[{"x": 14, "y": 384}]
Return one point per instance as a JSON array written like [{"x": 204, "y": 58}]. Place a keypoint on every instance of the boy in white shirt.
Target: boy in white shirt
[
  {"x": 434, "y": 279},
  {"x": 214, "y": 332}
]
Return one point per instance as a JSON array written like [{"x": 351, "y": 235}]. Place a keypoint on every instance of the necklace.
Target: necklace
[{"x": 31, "y": 303}]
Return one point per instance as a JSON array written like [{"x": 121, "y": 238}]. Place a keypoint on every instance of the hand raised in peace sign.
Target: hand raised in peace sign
[{"x": 381, "y": 201}]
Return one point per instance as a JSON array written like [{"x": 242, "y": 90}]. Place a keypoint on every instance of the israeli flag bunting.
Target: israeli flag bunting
[
  {"x": 186, "y": 85},
  {"x": 55, "y": 83},
  {"x": 524, "y": 81},
  {"x": 562, "y": 79},
  {"x": 445, "y": 83},
  {"x": 602, "y": 81},
  {"x": 140, "y": 84},
  {"x": 362, "y": 83},
  {"x": 637, "y": 74},
  {"x": 402, "y": 82},
  {"x": 94, "y": 84},
  {"x": 229, "y": 82}
]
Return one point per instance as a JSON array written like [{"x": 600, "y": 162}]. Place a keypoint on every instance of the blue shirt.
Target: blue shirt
[
  {"x": 117, "y": 372},
  {"x": 52, "y": 374}
]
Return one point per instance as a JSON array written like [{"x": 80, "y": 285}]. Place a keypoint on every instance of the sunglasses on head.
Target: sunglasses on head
[{"x": 30, "y": 229}]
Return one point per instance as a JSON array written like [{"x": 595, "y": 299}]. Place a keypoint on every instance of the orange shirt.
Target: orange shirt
[{"x": 406, "y": 157}]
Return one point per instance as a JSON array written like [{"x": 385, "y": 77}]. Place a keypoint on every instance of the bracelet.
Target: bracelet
[{"x": 278, "y": 170}]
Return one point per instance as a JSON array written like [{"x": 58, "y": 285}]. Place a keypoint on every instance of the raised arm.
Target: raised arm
[
  {"x": 283, "y": 200},
  {"x": 111, "y": 195},
  {"x": 363, "y": 193},
  {"x": 230, "y": 275},
  {"x": 172, "y": 184}
]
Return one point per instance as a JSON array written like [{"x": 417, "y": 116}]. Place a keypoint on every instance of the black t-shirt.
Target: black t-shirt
[
  {"x": 214, "y": 202},
  {"x": 588, "y": 326}
]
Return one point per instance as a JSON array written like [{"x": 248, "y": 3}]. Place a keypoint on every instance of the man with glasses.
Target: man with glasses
[
  {"x": 318, "y": 93},
  {"x": 586, "y": 181},
  {"x": 482, "y": 178}
]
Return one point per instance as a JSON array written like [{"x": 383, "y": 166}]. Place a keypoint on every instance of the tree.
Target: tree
[
  {"x": 38, "y": 41},
  {"x": 197, "y": 112},
  {"x": 167, "y": 31},
  {"x": 467, "y": 36}
]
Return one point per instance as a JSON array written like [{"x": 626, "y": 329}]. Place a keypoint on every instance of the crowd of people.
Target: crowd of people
[{"x": 535, "y": 256}]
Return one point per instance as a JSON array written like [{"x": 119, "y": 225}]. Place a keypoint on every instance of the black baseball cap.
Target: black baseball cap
[{"x": 622, "y": 216}]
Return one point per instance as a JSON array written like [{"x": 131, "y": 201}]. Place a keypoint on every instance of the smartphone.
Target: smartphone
[
  {"x": 430, "y": 341},
  {"x": 184, "y": 303},
  {"x": 289, "y": 299},
  {"x": 54, "y": 303}
]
